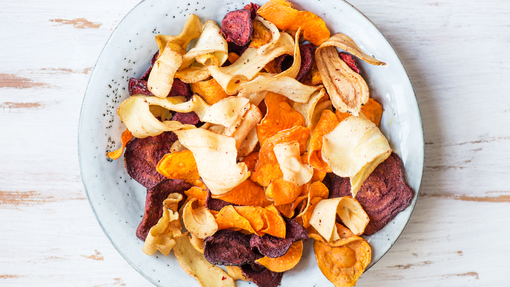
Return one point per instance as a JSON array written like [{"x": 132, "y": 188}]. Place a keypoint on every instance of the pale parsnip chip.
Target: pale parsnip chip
[
  {"x": 210, "y": 49},
  {"x": 193, "y": 74},
  {"x": 310, "y": 110},
  {"x": 216, "y": 157},
  {"x": 192, "y": 30},
  {"x": 245, "y": 133},
  {"x": 236, "y": 273},
  {"x": 227, "y": 112},
  {"x": 136, "y": 114},
  {"x": 198, "y": 220},
  {"x": 248, "y": 144},
  {"x": 162, "y": 74},
  {"x": 275, "y": 35},
  {"x": 255, "y": 98},
  {"x": 250, "y": 64},
  {"x": 293, "y": 169},
  {"x": 293, "y": 71},
  {"x": 354, "y": 149},
  {"x": 286, "y": 86},
  {"x": 177, "y": 147},
  {"x": 348, "y": 209},
  {"x": 195, "y": 264},
  {"x": 162, "y": 235},
  {"x": 345, "y": 43}
]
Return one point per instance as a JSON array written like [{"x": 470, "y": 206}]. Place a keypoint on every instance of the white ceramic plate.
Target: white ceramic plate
[{"x": 118, "y": 201}]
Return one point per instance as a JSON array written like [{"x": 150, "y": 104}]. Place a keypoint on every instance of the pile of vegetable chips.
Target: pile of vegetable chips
[{"x": 260, "y": 136}]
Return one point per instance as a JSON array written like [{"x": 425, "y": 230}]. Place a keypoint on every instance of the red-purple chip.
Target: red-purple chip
[
  {"x": 274, "y": 247},
  {"x": 383, "y": 194},
  {"x": 253, "y": 7},
  {"x": 307, "y": 55},
  {"x": 261, "y": 276},
  {"x": 180, "y": 88},
  {"x": 214, "y": 203},
  {"x": 190, "y": 118},
  {"x": 142, "y": 156},
  {"x": 154, "y": 203},
  {"x": 350, "y": 61},
  {"x": 136, "y": 86},
  {"x": 230, "y": 248},
  {"x": 237, "y": 26}
]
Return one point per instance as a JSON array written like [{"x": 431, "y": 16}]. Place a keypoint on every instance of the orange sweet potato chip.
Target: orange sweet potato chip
[
  {"x": 229, "y": 218},
  {"x": 209, "y": 90},
  {"x": 267, "y": 168},
  {"x": 317, "y": 191},
  {"x": 198, "y": 193},
  {"x": 288, "y": 210},
  {"x": 285, "y": 262},
  {"x": 126, "y": 136},
  {"x": 285, "y": 17},
  {"x": 327, "y": 122},
  {"x": 232, "y": 57},
  {"x": 283, "y": 192},
  {"x": 247, "y": 193},
  {"x": 252, "y": 219},
  {"x": 280, "y": 116},
  {"x": 344, "y": 264},
  {"x": 180, "y": 165},
  {"x": 260, "y": 35},
  {"x": 371, "y": 109},
  {"x": 345, "y": 236},
  {"x": 251, "y": 160},
  {"x": 318, "y": 175}
]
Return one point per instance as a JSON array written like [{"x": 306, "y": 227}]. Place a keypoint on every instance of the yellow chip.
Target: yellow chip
[{"x": 285, "y": 262}]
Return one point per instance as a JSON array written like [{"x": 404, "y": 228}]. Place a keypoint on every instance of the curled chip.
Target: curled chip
[
  {"x": 261, "y": 276},
  {"x": 229, "y": 218},
  {"x": 315, "y": 193},
  {"x": 372, "y": 110},
  {"x": 252, "y": 219},
  {"x": 312, "y": 110},
  {"x": 228, "y": 247},
  {"x": 247, "y": 193},
  {"x": 125, "y": 138},
  {"x": 236, "y": 273},
  {"x": 348, "y": 209},
  {"x": 343, "y": 265},
  {"x": 154, "y": 203},
  {"x": 162, "y": 74},
  {"x": 198, "y": 220},
  {"x": 216, "y": 158},
  {"x": 345, "y": 43},
  {"x": 285, "y": 17},
  {"x": 383, "y": 194},
  {"x": 195, "y": 264},
  {"x": 253, "y": 7},
  {"x": 327, "y": 123},
  {"x": 237, "y": 26},
  {"x": 142, "y": 156},
  {"x": 283, "y": 192},
  {"x": 289, "y": 157},
  {"x": 251, "y": 160},
  {"x": 274, "y": 247},
  {"x": 350, "y": 61},
  {"x": 286, "y": 262},
  {"x": 210, "y": 49},
  {"x": 260, "y": 36},
  {"x": 209, "y": 90},
  {"x": 161, "y": 236},
  {"x": 267, "y": 168},
  {"x": 307, "y": 52},
  {"x": 227, "y": 112},
  {"x": 180, "y": 165},
  {"x": 354, "y": 149},
  {"x": 280, "y": 116},
  {"x": 191, "y": 30},
  {"x": 198, "y": 193},
  {"x": 215, "y": 204}
]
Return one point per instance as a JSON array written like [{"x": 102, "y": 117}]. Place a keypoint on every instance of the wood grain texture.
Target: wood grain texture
[{"x": 456, "y": 53}]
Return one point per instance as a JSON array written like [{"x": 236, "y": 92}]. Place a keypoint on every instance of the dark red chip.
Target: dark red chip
[
  {"x": 263, "y": 277},
  {"x": 214, "y": 203},
  {"x": 230, "y": 248},
  {"x": 145, "y": 76},
  {"x": 284, "y": 62},
  {"x": 154, "y": 203},
  {"x": 136, "y": 86},
  {"x": 350, "y": 61},
  {"x": 142, "y": 156},
  {"x": 190, "y": 118},
  {"x": 383, "y": 194},
  {"x": 180, "y": 88},
  {"x": 239, "y": 50},
  {"x": 307, "y": 55},
  {"x": 272, "y": 246},
  {"x": 237, "y": 26},
  {"x": 253, "y": 7}
]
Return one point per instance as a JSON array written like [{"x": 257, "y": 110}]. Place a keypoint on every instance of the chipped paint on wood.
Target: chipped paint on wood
[
  {"x": 29, "y": 198},
  {"x": 8, "y": 276},
  {"x": 467, "y": 274},
  {"x": 77, "y": 23},
  {"x": 11, "y": 105},
  {"x": 17, "y": 82},
  {"x": 494, "y": 199},
  {"x": 96, "y": 256}
]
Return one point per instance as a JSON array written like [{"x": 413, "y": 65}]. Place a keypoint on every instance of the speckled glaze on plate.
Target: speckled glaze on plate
[{"x": 118, "y": 201}]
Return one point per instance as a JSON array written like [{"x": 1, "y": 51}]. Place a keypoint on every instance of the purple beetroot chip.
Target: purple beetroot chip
[
  {"x": 350, "y": 61},
  {"x": 230, "y": 248},
  {"x": 307, "y": 55},
  {"x": 180, "y": 88},
  {"x": 237, "y": 26},
  {"x": 145, "y": 76},
  {"x": 214, "y": 203},
  {"x": 272, "y": 246},
  {"x": 253, "y": 7},
  {"x": 190, "y": 118},
  {"x": 142, "y": 156},
  {"x": 154, "y": 203},
  {"x": 261, "y": 276},
  {"x": 136, "y": 86}
]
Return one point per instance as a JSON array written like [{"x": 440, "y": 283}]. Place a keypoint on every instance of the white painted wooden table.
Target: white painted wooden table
[{"x": 456, "y": 52}]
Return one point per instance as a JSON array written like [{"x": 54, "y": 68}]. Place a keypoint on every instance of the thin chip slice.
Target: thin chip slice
[
  {"x": 261, "y": 276},
  {"x": 289, "y": 157},
  {"x": 229, "y": 218},
  {"x": 236, "y": 273},
  {"x": 180, "y": 165},
  {"x": 312, "y": 109},
  {"x": 283, "y": 192},
  {"x": 210, "y": 49},
  {"x": 191, "y": 30},
  {"x": 227, "y": 112},
  {"x": 273, "y": 247},
  {"x": 209, "y": 90},
  {"x": 162, "y": 75},
  {"x": 198, "y": 193},
  {"x": 195, "y": 264},
  {"x": 247, "y": 193},
  {"x": 285, "y": 262},
  {"x": 237, "y": 26},
  {"x": 348, "y": 209},
  {"x": 280, "y": 116},
  {"x": 260, "y": 36},
  {"x": 327, "y": 123},
  {"x": 125, "y": 138},
  {"x": 345, "y": 43},
  {"x": 343, "y": 265},
  {"x": 198, "y": 220},
  {"x": 230, "y": 248}
]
